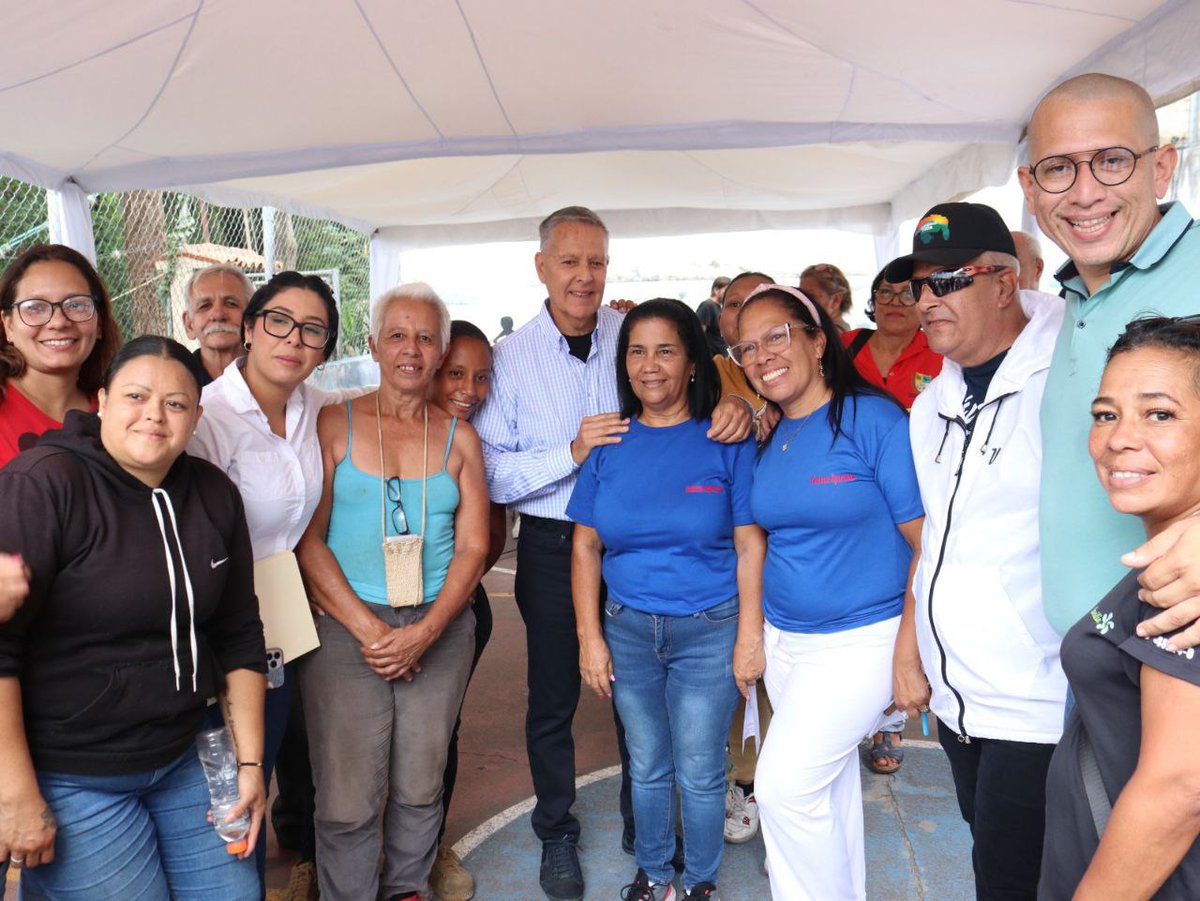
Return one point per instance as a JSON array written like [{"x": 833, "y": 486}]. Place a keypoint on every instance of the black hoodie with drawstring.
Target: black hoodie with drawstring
[{"x": 140, "y": 601}]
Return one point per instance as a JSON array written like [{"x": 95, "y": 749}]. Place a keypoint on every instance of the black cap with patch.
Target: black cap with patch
[{"x": 953, "y": 234}]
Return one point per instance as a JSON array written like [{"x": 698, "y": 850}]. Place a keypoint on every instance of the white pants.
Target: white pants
[{"x": 827, "y": 691}]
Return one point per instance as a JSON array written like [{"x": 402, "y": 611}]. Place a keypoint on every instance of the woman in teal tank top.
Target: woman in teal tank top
[{"x": 382, "y": 692}]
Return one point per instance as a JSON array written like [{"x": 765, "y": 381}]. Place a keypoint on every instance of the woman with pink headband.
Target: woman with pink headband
[{"x": 834, "y": 478}]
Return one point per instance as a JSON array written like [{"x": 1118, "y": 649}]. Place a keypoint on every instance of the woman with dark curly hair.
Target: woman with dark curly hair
[
  {"x": 895, "y": 356},
  {"x": 57, "y": 339}
]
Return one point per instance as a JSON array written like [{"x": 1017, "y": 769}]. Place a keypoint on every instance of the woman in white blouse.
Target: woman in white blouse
[{"x": 260, "y": 426}]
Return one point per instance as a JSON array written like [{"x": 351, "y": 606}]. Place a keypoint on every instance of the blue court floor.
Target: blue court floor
[{"x": 917, "y": 845}]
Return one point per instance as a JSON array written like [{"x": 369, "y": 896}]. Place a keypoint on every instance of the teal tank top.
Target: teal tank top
[{"x": 354, "y": 524}]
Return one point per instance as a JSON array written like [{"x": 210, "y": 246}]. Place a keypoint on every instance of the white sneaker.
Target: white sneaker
[{"x": 741, "y": 815}]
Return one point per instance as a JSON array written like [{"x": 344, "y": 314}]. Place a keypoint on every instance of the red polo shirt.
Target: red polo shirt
[{"x": 913, "y": 370}]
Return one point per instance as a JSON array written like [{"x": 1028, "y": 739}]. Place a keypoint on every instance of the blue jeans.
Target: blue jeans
[
  {"x": 142, "y": 836},
  {"x": 675, "y": 693}
]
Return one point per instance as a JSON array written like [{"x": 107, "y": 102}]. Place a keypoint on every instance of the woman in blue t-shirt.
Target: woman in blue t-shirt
[
  {"x": 668, "y": 512},
  {"x": 835, "y": 490}
]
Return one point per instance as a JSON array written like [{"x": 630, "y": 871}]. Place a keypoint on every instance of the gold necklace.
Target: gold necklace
[{"x": 799, "y": 428}]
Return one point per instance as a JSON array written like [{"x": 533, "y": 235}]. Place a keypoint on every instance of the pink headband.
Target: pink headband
[{"x": 794, "y": 292}]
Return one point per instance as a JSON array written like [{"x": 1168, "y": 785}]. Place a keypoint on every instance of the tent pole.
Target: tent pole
[
  {"x": 268, "y": 225},
  {"x": 70, "y": 219}
]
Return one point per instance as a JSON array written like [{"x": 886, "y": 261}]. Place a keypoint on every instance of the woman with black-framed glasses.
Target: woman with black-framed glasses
[
  {"x": 895, "y": 356},
  {"x": 57, "y": 340},
  {"x": 382, "y": 692},
  {"x": 260, "y": 427}
]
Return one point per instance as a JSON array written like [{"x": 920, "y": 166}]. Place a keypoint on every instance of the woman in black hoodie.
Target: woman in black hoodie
[{"x": 141, "y": 607}]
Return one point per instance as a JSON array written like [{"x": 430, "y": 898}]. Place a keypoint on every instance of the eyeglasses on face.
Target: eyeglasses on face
[
  {"x": 35, "y": 311},
  {"x": 886, "y": 295},
  {"x": 777, "y": 340},
  {"x": 1111, "y": 166},
  {"x": 399, "y": 520},
  {"x": 943, "y": 283},
  {"x": 278, "y": 324}
]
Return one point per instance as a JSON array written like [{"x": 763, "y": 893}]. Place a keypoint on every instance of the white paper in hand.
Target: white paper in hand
[{"x": 750, "y": 721}]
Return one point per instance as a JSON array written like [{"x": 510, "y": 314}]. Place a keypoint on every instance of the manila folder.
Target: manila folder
[{"x": 283, "y": 605}]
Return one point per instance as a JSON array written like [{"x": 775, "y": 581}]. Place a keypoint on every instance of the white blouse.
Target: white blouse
[{"x": 279, "y": 478}]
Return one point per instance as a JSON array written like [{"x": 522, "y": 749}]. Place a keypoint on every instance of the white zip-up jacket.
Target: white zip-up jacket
[{"x": 988, "y": 650}]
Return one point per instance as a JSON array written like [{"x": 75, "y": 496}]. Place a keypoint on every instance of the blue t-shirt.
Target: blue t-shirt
[
  {"x": 664, "y": 502},
  {"x": 835, "y": 559}
]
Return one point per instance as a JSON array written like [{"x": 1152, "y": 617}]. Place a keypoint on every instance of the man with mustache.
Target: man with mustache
[{"x": 217, "y": 296}]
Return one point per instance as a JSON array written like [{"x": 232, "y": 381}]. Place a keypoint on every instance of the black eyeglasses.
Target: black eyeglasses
[
  {"x": 1111, "y": 166},
  {"x": 904, "y": 297},
  {"x": 399, "y": 520},
  {"x": 35, "y": 311},
  {"x": 278, "y": 324},
  {"x": 943, "y": 283}
]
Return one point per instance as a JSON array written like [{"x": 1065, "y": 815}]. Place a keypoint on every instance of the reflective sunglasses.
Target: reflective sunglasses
[
  {"x": 943, "y": 283},
  {"x": 35, "y": 311},
  {"x": 278, "y": 324},
  {"x": 1111, "y": 166}
]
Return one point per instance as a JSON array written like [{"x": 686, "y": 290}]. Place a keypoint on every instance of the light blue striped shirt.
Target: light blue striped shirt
[{"x": 539, "y": 395}]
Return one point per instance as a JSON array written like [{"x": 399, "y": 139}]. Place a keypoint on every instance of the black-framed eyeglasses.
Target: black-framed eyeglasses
[
  {"x": 278, "y": 324},
  {"x": 904, "y": 297},
  {"x": 1111, "y": 166},
  {"x": 943, "y": 283},
  {"x": 399, "y": 520},
  {"x": 776, "y": 340},
  {"x": 35, "y": 311}
]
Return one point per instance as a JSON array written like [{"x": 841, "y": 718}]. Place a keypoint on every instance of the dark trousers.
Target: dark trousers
[
  {"x": 1001, "y": 788},
  {"x": 483, "y": 631},
  {"x": 292, "y": 812},
  {"x": 543, "y": 594}
]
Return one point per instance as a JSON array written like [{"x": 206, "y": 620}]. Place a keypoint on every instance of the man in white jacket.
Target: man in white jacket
[{"x": 990, "y": 656}]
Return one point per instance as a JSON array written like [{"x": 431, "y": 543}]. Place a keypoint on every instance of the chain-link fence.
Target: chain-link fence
[
  {"x": 149, "y": 242},
  {"x": 22, "y": 218}
]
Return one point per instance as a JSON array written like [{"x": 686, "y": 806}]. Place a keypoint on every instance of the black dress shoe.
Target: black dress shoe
[{"x": 560, "y": 875}]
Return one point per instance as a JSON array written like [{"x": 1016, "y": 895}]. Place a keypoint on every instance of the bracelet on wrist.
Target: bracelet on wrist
[{"x": 242, "y": 763}]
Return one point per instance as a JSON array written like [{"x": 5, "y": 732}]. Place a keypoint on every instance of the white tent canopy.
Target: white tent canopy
[{"x": 450, "y": 121}]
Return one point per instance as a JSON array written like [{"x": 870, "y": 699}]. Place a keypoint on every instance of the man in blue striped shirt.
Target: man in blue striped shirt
[{"x": 553, "y": 399}]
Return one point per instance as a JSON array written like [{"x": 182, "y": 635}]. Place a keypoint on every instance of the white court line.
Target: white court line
[
  {"x": 501, "y": 569},
  {"x": 486, "y": 830}
]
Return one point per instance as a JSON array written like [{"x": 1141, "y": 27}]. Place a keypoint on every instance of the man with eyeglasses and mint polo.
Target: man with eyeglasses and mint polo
[
  {"x": 988, "y": 666},
  {"x": 1095, "y": 172}
]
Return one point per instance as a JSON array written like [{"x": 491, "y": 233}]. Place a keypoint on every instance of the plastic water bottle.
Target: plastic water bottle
[{"x": 217, "y": 757}]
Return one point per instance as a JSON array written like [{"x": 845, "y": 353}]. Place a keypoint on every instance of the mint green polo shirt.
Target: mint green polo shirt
[{"x": 1082, "y": 537}]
